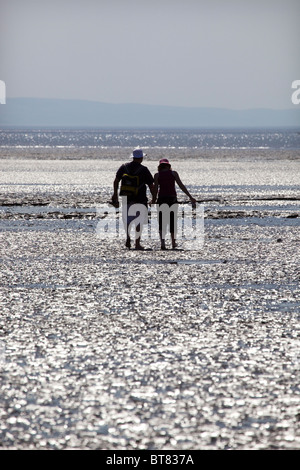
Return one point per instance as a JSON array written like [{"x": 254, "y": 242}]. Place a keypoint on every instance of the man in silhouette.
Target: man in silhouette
[{"x": 134, "y": 202}]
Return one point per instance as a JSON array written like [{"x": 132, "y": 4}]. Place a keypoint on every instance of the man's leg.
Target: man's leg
[
  {"x": 128, "y": 241},
  {"x": 126, "y": 221},
  {"x": 128, "y": 228},
  {"x": 138, "y": 245}
]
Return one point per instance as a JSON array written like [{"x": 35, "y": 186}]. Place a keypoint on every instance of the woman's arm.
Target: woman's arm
[{"x": 182, "y": 187}]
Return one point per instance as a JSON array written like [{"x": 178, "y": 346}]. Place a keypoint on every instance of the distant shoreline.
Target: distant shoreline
[{"x": 39, "y": 112}]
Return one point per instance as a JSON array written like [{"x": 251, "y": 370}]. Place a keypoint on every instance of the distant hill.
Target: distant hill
[{"x": 35, "y": 112}]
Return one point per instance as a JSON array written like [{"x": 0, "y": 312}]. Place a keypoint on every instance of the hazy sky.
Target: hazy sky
[{"x": 220, "y": 53}]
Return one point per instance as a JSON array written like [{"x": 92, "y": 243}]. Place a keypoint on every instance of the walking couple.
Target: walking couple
[{"x": 134, "y": 177}]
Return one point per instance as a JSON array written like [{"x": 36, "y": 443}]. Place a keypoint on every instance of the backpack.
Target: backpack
[{"x": 130, "y": 184}]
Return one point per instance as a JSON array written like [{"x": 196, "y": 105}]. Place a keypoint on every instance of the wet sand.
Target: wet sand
[{"x": 106, "y": 348}]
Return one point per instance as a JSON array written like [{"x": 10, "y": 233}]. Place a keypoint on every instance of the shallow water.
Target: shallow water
[{"x": 106, "y": 348}]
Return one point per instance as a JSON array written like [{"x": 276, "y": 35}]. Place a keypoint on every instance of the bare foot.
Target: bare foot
[{"x": 139, "y": 247}]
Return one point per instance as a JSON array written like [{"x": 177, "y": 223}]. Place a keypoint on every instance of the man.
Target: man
[{"x": 134, "y": 177}]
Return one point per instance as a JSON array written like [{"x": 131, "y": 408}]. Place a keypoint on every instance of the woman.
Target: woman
[{"x": 164, "y": 186}]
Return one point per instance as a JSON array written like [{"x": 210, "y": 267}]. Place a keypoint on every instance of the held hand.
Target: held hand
[{"x": 115, "y": 201}]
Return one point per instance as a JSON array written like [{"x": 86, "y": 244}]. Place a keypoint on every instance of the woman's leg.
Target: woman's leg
[
  {"x": 173, "y": 224},
  {"x": 162, "y": 240}
]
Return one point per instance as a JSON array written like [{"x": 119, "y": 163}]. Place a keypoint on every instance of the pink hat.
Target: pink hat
[{"x": 164, "y": 160}]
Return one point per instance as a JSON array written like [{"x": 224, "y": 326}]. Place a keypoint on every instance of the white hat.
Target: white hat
[{"x": 138, "y": 153}]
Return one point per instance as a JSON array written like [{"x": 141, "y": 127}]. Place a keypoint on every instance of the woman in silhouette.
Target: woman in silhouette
[{"x": 164, "y": 192}]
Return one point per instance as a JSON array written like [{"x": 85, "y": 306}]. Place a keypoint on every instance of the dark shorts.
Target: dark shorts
[
  {"x": 129, "y": 215},
  {"x": 169, "y": 200}
]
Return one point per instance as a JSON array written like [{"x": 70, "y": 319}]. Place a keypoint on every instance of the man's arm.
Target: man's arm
[
  {"x": 154, "y": 189},
  {"x": 151, "y": 187},
  {"x": 115, "y": 199}
]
